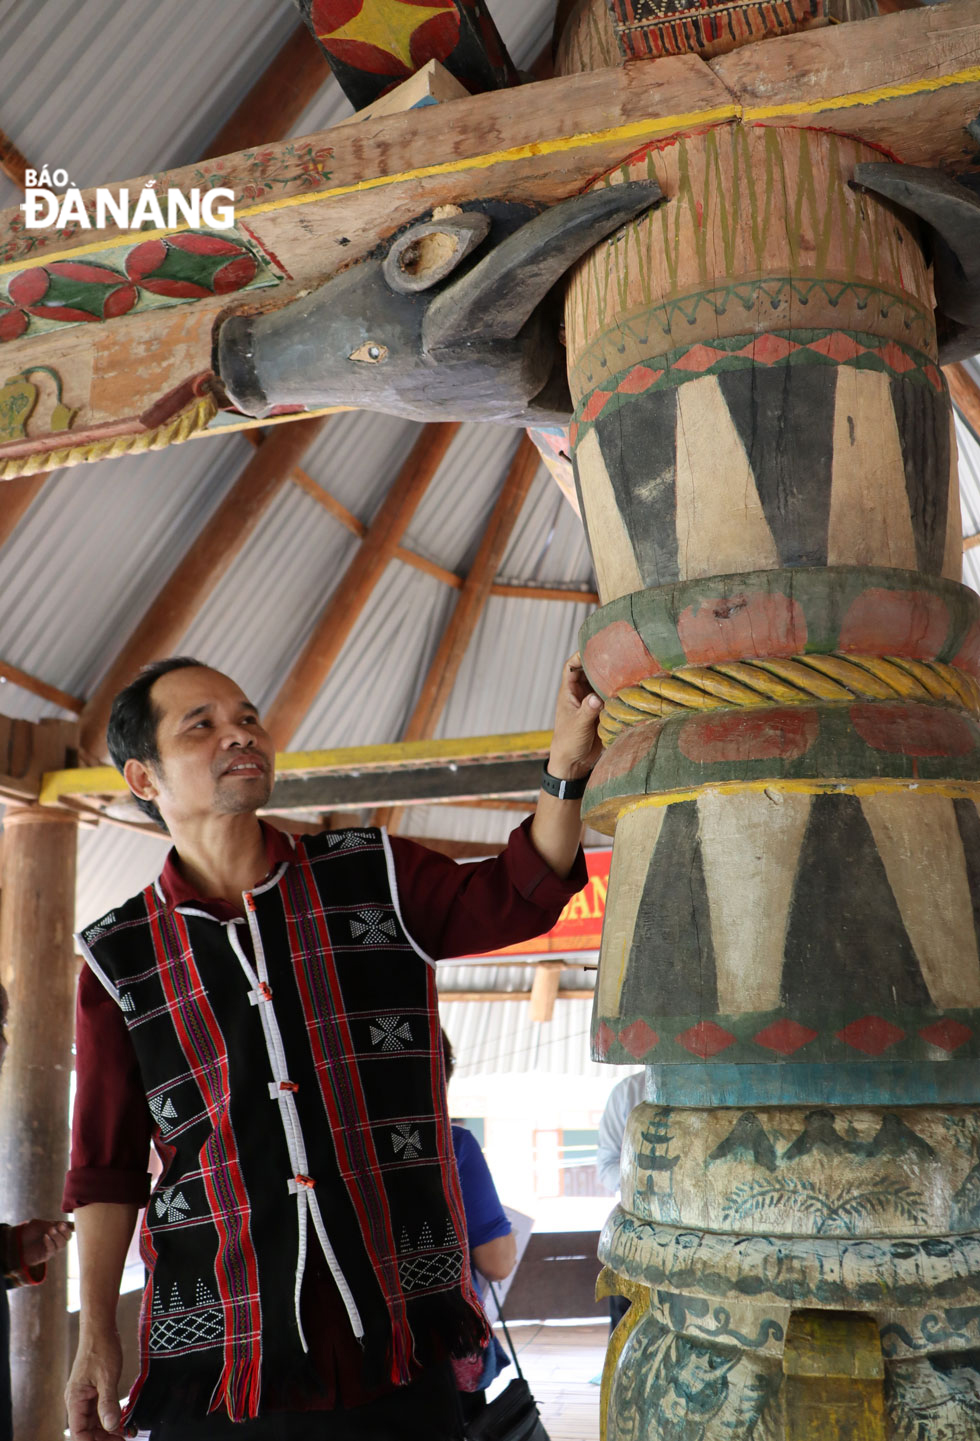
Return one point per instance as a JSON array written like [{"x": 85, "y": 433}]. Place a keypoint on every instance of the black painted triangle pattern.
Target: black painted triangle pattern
[
  {"x": 968, "y": 824},
  {"x": 784, "y": 417},
  {"x": 638, "y": 444},
  {"x": 923, "y": 427},
  {"x": 672, "y": 962},
  {"x": 846, "y": 945}
]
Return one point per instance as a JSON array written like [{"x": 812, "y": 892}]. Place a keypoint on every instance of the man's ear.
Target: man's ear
[{"x": 141, "y": 780}]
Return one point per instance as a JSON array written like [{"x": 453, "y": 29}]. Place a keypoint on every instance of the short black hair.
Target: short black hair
[{"x": 132, "y": 730}]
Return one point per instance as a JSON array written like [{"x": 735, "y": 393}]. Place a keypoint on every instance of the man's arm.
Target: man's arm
[
  {"x": 104, "y": 1230},
  {"x": 452, "y": 909},
  {"x": 575, "y": 748}
]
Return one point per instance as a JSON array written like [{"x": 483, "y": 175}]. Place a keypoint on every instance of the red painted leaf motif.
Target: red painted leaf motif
[
  {"x": 616, "y": 656},
  {"x": 740, "y": 627},
  {"x": 748, "y": 736},
  {"x": 895, "y": 622},
  {"x": 913, "y": 730},
  {"x": 626, "y": 751}
]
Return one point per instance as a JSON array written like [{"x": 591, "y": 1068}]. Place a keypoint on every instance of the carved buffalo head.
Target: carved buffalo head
[{"x": 446, "y": 322}]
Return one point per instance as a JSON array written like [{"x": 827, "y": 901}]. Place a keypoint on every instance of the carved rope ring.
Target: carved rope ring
[{"x": 795, "y": 680}]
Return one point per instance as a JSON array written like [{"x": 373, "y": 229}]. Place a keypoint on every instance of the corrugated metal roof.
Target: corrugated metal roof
[
  {"x": 111, "y": 89},
  {"x": 499, "y": 1037},
  {"x": 95, "y": 548}
]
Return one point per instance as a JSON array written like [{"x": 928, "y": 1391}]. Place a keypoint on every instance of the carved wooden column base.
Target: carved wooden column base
[{"x": 776, "y": 1243}]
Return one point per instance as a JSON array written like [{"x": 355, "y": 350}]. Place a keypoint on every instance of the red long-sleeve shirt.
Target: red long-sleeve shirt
[{"x": 449, "y": 909}]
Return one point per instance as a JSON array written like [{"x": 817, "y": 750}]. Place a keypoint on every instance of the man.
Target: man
[{"x": 266, "y": 1011}]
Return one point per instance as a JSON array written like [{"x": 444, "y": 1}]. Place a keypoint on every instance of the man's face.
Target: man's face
[{"x": 215, "y": 757}]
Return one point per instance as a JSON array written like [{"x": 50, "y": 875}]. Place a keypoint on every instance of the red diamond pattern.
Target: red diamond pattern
[
  {"x": 785, "y": 1037},
  {"x": 871, "y": 1034},
  {"x": 700, "y": 358},
  {"x": 949, "y": 1035},
  {"x": 638, "y": 1038},
  {"x": 838, "y": 346},
  {"x": 594, "y": 405},
  {"x": 705, "y": 1039},
  {"x": 769, "y": 349},
  {"x": 896, "y": 358},
  {"x": 604, "y": 1038},
  {"x": 637, "y": 380}
]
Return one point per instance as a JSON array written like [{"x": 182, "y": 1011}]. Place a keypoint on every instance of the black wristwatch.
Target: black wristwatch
[{"x": 563, "y": 790}]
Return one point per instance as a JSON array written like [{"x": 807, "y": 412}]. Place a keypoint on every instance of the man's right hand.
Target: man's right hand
[{"x": 92, "y": 1393}]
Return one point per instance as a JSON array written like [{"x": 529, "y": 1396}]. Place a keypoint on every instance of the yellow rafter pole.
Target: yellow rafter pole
[{"x": 106, "y": 780}]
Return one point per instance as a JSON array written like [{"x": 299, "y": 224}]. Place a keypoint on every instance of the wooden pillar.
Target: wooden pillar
[
  {"x": 37, "y": 909},
  {"x": 791, "y": 674}
]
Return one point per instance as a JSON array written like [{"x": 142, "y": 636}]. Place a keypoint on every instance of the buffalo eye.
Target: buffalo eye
[{"x": 372, "y": 352}]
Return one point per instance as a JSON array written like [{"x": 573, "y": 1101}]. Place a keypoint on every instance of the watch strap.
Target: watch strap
[{"x": 563, "y": 790}]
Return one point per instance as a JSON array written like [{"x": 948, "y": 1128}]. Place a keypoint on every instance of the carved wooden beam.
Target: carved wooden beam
[
  {"x": 352, "y": 593},
  {"x": 907, "y": 82},
  {"x": 200, "y": 570}
]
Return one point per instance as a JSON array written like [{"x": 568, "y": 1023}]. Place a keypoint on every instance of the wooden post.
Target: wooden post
[
  {"x": 202, "y": 567},
  {"x": 791, "y": 673},
  {"x": 16, "y": 498},
  {"x": 37, "y": 968}
]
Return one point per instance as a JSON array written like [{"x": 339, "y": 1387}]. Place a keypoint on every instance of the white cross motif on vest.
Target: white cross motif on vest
[
  {"x": 388, "y": 1032},
  {"x": 174, "y": 1207},
  {"x": 163, "y": 1111},
  {"x": 372, "y": 928},
  {"x": 406, "y": 1139},
  {"x": 348, "y": 840}
]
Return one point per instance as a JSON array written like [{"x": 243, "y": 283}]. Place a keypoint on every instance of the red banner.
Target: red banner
[{"x": 579, "y": 926}]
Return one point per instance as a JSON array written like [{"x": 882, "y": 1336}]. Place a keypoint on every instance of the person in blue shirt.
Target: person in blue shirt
[{"x": 493, "y": 1249}]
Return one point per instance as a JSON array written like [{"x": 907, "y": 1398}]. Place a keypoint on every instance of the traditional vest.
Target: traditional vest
[{"x": 298, "y": 1098}]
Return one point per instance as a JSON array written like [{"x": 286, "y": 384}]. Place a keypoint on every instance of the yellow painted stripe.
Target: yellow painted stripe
[
  {"x": 882, "y": 785},
  {"x": 923, "y": 86},
  {"x": 636, "y": 131},
  {"x": 106, "y": 780}
]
